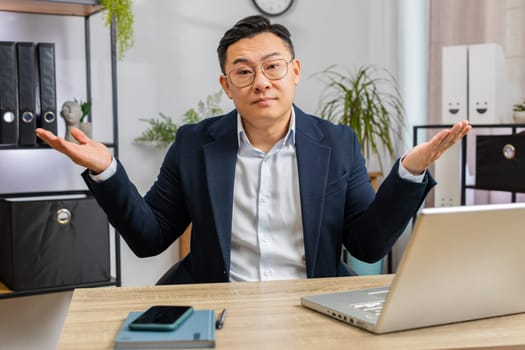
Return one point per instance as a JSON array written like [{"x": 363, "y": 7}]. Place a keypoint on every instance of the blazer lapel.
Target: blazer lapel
[
  {"x": 220, "y": 156},
  {"x": 313, "y": 163}
]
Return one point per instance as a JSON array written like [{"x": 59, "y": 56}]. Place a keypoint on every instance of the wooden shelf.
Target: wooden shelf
[
  {"x": 4, "y": 289},
  {"x": 53, "y": 7}
]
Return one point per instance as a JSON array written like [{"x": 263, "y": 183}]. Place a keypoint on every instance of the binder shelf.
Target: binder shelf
[{"x": 70, "y": 264}]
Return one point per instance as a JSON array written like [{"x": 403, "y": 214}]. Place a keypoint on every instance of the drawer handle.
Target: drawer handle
[
  {"x": 509, "y": 151},
  {"x": 63, "y": 216}
]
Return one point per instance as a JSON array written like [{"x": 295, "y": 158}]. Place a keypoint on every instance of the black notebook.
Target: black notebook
[{"x": 198, "y": 331}]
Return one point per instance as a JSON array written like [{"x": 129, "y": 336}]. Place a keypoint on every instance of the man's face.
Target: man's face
[{"x": 265, "y": 102}]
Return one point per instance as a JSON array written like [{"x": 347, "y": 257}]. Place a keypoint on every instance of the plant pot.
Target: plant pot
[
  {"x": 362, "y": 268},
  {"x": 87, "y": 128},
  {"x": 518, "y": 116}
]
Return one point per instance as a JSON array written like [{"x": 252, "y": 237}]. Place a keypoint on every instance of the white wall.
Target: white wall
[{"x": 172, "y": 65}]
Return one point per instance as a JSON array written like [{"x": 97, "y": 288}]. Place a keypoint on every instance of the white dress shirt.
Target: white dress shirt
[{"x": 267, "y": 228}]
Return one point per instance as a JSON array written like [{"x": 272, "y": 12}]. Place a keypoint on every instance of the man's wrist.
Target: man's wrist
[
  {"x": 406, "y": 174},
  {"x": 106, "y": 174}
]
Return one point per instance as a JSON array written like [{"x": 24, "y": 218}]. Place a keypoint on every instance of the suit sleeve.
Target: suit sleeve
[
  {"x": 374, "y": 221},
  {"x": 149, "y": 224}
]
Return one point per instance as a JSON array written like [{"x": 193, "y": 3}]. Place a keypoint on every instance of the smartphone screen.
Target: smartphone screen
[{"x": 161, "y": 318}]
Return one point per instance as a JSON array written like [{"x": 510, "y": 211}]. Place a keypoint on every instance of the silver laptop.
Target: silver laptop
[{"x": 461, "y": 263}]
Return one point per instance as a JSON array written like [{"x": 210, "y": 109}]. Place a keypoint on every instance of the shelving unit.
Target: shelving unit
[
  {"x": 85, "y": 9},
  {"x": 513, "y": 128}
]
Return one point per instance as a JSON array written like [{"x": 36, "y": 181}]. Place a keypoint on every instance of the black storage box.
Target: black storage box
[
  {"x": 500, "y": 162},
  {"x": 53, "y": 243}
]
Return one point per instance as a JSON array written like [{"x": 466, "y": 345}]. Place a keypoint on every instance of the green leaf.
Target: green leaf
[
  {"x": 85, "y": 107},
  {"x": 162, "y": 131},
  {"x": 121, "y": 10},
  {"x": 369, "y": 101}
]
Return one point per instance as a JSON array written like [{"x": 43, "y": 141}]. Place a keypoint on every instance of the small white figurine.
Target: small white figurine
[{"x": 71, "y": 112}]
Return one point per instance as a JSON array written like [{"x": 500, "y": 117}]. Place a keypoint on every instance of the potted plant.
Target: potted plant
[
  {"x": 519, "y": 112},
  {"x": 121, "y": 11},
  {"x": 369, "y": 101},
  {"x": 161, "y": 132}
]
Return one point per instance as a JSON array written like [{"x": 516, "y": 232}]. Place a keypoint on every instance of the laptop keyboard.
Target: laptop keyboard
[{"x": 374, "y": 307}]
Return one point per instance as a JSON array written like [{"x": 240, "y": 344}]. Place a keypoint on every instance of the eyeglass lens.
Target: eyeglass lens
[{"x": 243, "y": 76}]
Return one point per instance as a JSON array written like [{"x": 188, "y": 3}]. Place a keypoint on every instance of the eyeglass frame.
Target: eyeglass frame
[{"x": 227, "y": 76}]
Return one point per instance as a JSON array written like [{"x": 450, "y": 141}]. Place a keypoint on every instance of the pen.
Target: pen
[{"x": 220, "y": 321}]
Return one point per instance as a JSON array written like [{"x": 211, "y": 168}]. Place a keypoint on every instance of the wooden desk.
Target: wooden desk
[{"x": 268, "y": 315}]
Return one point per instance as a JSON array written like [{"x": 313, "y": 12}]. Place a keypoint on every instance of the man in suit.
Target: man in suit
[{"x": 272, "y": 192}]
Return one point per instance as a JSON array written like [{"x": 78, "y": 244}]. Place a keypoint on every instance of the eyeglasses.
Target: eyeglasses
[{"x": 244, "y": 76}]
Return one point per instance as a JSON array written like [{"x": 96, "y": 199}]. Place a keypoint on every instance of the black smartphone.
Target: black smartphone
[{"x": 161, "y": 318}]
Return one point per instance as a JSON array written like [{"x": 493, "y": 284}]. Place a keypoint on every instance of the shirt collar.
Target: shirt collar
[{"x": 289, "y": 138}]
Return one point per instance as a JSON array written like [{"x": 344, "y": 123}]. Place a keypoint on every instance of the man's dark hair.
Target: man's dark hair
[{"x": 249, "y": 27}]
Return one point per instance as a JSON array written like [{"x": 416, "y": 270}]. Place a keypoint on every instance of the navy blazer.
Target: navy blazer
[{"x": 195, "y": 184}]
